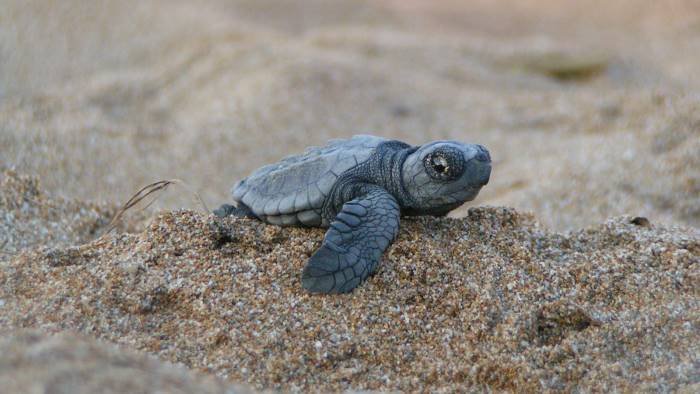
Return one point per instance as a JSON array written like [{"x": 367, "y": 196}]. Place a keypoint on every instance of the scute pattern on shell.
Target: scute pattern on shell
[{"x": 293, "y": 190}]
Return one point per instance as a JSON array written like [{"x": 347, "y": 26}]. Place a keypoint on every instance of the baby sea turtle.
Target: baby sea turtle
[{"x": 358, "y": 188}]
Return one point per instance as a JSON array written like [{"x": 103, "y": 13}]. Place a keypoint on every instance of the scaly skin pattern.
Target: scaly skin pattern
[
  {"x": 354, "y": 243},
  {"x": 382, "y": 168},
  {"x": 362, "y": 205}
]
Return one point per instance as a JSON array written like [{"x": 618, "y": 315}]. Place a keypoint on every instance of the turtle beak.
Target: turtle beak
[
  {"x": 485, "y": 179},
  {"x": 479, "y": 166}
]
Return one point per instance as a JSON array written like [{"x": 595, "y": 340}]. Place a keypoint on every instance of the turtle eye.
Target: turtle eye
[
  {"x": 440, "y": 164},
  {"x": 444, "y": 164}
]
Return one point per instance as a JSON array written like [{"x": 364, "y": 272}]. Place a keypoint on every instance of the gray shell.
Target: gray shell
[{"x": 293, "y": 190}]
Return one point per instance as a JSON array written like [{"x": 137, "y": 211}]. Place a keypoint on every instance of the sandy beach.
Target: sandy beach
[{"x": 575, "y": 269}]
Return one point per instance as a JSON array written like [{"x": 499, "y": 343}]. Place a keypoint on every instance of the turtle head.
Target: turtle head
[{"x": 442, "y": 175}]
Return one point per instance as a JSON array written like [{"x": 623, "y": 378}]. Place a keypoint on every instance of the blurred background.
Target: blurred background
[{"x": 590, "y": 108}]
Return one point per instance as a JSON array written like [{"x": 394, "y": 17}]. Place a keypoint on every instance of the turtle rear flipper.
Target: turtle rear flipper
[
  {"x": 354, "y": 243},
  {"x": 231, "y": 210}
]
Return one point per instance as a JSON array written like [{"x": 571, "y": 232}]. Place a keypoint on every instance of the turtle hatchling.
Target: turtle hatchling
[{"x": 358, "y": 188}]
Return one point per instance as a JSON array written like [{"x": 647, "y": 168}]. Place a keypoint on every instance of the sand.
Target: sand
[
  {"x": 589, "y": 112},
  {"x": 490, "y": 301},
  {"x": 68, "y": 363},
  {"x": 576, "y": 268}
]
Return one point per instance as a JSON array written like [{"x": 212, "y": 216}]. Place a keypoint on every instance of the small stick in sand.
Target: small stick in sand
[{"x": 145, "y": 192}]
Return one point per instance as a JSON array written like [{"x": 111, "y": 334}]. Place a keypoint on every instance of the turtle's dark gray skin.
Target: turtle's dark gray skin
[{"x": 358, "y": 189}]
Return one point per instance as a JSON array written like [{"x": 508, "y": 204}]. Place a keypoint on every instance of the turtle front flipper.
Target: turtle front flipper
[{"x": 354, "y": 243}]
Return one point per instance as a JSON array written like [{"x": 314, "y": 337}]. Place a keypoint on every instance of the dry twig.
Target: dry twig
[{"x": 145, "y": 192}]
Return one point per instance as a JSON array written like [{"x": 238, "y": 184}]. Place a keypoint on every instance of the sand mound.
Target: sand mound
[
  {"x": 492, "y": 300},
  {"x": 30, "y": 218},
  {"x": 66, "y": 363}
]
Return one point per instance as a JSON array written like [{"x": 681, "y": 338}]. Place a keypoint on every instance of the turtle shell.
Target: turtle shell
[{"x": 293, "y": 190}]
